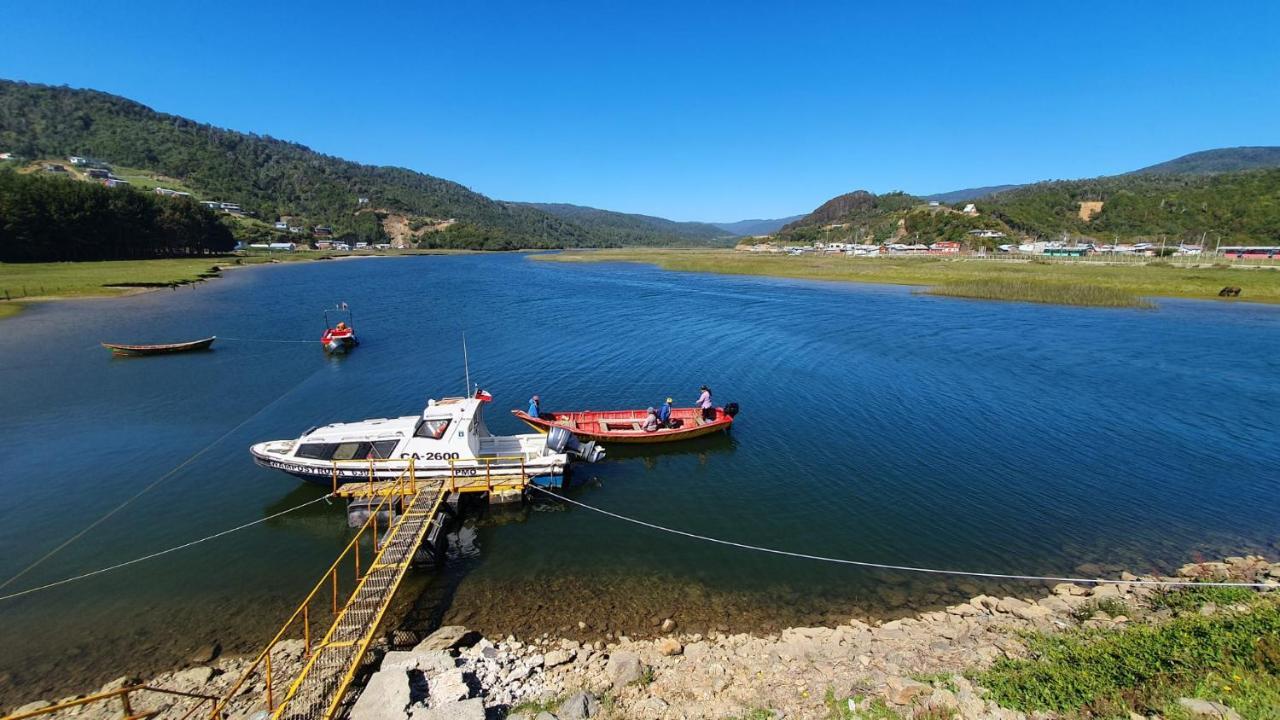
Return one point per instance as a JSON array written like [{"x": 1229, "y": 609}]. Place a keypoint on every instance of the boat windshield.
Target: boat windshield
[{"x": 432, "y": 428}]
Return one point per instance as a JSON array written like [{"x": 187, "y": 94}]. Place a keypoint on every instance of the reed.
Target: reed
[{"x": 1041, "y": 292}]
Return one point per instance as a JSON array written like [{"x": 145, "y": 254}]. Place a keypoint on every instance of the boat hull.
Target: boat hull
[
  {"x": 124, "y": 350},
  {"x": 604, "y": 426},
  {"x": 549, "y": 472}
]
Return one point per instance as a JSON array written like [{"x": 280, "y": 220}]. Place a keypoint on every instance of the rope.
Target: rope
[
  {"x": 150, "y": 487},
  {"x": 266, "y": 340},
  {"x": 905, "y": 568},
  {"x": 154, "y": 555}
]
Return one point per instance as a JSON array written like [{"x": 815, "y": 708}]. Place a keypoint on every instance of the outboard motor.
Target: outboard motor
[
  {"x": 731, "y": 409},
  {"x": 560, "y": 440}
]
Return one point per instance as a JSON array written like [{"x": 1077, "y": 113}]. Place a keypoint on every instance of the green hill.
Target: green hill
[
  {"x": 269, "y": 177},
  {"x": 633, "y": 229},
  {"x": 1221, "y": 160}
]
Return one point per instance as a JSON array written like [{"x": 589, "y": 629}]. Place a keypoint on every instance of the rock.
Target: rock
[
  {"x": 559, "y": 657},
  {"x": 447, "y": 687},
  {"x": 32, "y": 707},
  {"x": 1011, "y": 605},
  {"x": 579, "y": 706},
  {"x": 1069, "y": 589},
  {"x": 1055, "y": 604},
  {"x": 623, "y": 669},
  {"x": 448, "y": 637},
  {"x": 1207, "y": 709},
  {"x": 904, "y": 691},
  {"x": 670, "y": 646},
  {"x": 472, "y": 709},
  {"x": 544, "y": 715},
  {"x": 384, "y": 697},
  {"x": 650, "y": 708},
  {"x": 668, "y": 625},
  {"x": 120, "y": 682},
  {"x": 964, "y": 610},
  {"x": 206, "y": 653},
  {"x": 1106, "y": 591},
  {"x": 192, "y": 679},
  {"x": 1034, "y": 613},
  {"x": 582, "y": 625}
]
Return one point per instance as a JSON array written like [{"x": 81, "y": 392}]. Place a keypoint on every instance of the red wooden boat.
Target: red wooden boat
[
  {"x": 122, "y": 349},
  {"x": 624, "y": 426}
]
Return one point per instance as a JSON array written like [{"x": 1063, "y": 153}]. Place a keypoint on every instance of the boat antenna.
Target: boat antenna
[{"x": 466, "y": 391}]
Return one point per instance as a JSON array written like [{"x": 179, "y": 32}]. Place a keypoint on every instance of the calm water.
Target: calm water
[{"x": 876, "y": 424}]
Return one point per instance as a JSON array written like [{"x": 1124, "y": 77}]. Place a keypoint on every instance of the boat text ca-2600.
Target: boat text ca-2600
[{"x": 449, "y": 439}]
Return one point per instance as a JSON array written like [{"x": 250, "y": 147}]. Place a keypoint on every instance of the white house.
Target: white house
[
  {"x": 282, "y": 225},
  {"x": 970, "y": 209}
]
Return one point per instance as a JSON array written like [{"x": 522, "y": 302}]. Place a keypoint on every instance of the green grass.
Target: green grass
[
  {"x": 1192, "y": 598},
  {"x": 9, "y": 309},
  {"x": 756, "y": 714},
  {"x": 1145, "y": 668},
  {"x": 34, "y": 280},
  {"x": 1097, "y": 280},
  {"x": 1038, "y": 291},
  {"x": 533, "y": 707}
]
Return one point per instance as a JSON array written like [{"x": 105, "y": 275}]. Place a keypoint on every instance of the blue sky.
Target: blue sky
[{"x": 693, "y": 111}]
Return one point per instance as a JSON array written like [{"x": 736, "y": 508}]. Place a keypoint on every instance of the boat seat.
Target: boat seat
[{"x": 618, "y": 426}]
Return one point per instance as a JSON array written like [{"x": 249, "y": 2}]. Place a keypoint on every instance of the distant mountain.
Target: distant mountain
[
  {"x": 756, "y": 227},
  {"x": 968, "y": 194},
  {"x": 634, "y": 229},
  {"x": 1217, "y": 161}
]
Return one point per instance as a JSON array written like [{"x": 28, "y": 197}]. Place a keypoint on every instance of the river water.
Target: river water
[{"x": 877, "y": 424}]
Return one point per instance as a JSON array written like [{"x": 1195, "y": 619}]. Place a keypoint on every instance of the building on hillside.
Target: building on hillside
[
  {"x": 986, "y": 234},
  {"x": 171, "y": 193},
  {"x": 296, "y": 230},
  {"x": 944, "y": 247},
  {"x": 7, "y": 156},
  {"x": 211, "y": 204},
  {"x": 54, "y": 168},
  {"x": 115, "y": 182},
  {"x": 362, "y": 201},
  {"x": 281, "y": 225},
  {"x": 934, "y": 203},
  {"x": 323, "y": 231},
  {"x": 97, "y": 174},
  {"x": 323, "y": 244},
  {"x": 285, "y": 246},
  {"x": 970, "y": 209},
  {"x": 77, "y": 160},
  {"x": 229, "y": 207}
]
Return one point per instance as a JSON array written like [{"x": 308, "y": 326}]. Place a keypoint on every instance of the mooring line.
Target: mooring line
[
  {"x": 904, "y": 568},
  {"x": 150, "y": 487},
  {"x": 266, "y": 340},
  {"x": 157, "y": 554}
]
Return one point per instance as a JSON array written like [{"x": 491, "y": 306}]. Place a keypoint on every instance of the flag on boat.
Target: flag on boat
[{"x": 483, "y": 395}]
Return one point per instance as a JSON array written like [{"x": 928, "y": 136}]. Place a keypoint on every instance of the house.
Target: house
[
  {"x": 115, "y": 182},
  {"x": 362, "y": 246},
  {"x": 986, "y": 233},
  {"x": 382, "y": 246},
  {"x": 171, "y": 193},
  {"x": 54, "y": 168},
  {"x": 934, "y": 203},
  {"x": 341, "y": 246},
  {"x": 1068, "y": 251},
  {"x": 324, "y": 244},
  {"x": 97, "y": 174},
  {"x": 362, "y": 201},
  {"x": 233, "y": 208},
  {"x": 282, "y": 225},
  {"x": 296, "y": 230},
  {"x": 7, "y": 156},
  {"x": 945, "y": 247},
  {"x": 211, "y": 204},
  {"x": 287, "y": 247},
  {"x": 77, "y": 160},
  {"x": 970, "y": 209},
  {"x": 323, "y": 231}
]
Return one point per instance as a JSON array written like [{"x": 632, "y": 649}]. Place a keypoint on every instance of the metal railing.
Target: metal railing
[
  {"x": 505, "y": 479},
  {"x": 127, "y": 709},
  {"x": 372, "y": 465},
  {"x": 327, "y": 591}
]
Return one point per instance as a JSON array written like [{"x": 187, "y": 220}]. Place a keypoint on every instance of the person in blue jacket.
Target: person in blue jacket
[
  {"x": 664, "y": 414},
  {"x": 535, "y": 408}
]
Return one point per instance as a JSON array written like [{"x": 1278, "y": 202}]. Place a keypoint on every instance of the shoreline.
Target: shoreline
[
  {"x": 1064, "y": 283},
  {"x": 931, "y": 662},
  {"x": 212, "y": 271}
]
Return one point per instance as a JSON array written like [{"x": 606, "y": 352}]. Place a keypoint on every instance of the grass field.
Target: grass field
[
  {"x": 1062, "y": 282},
  {"x": 38, "y": 281}
]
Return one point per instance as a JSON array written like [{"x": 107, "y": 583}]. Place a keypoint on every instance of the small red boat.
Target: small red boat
[
  {"x": 626, "y": 426},
  {"x": 130, "y": 350},
  {"x": 338, "y": 337}
]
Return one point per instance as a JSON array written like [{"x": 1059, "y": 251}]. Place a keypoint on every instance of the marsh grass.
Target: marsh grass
[
  {"x": 1037, "y": 291},
  {"x": 1131, "y": 281}
]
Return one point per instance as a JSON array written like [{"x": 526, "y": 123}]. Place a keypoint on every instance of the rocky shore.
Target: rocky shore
[{"x": 912, "y": 667}]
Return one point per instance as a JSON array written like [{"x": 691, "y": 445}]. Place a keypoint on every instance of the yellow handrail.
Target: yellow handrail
[
  {"x": 122, "y": 693},
  {"x": 330, "y": 577}
]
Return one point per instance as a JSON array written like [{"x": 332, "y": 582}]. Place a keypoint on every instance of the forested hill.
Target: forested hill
[
  {"x": 270, "y": 177},
  {"x": 633, "y": 229},
  {"x": 1217, "y": 161}
]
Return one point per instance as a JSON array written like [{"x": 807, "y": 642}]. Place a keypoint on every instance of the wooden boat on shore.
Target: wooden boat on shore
[
  {"x": 626, "y": 426},
  {"x": 133, "y": 350}
]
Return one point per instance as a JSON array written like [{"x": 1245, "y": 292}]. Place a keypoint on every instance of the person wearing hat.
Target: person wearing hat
[
  {"x": 650, "y": 421},
  {"x": 664, "y": 414},
  {"x": 535, "y": 407},
  {"x": 704, "y": 402}
]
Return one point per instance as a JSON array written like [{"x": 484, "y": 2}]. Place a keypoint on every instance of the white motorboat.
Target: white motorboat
[{"x": 449, "y": 439}]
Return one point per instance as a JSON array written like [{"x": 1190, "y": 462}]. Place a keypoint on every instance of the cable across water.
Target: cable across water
[
  {"x": 159, "y": 553},
  {"x": 904, "y": 568}
]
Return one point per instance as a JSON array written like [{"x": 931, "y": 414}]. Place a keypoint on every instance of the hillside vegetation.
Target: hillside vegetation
[
  {"x": 632, "y": 229},
  {"x": 264, "y": 175}
]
